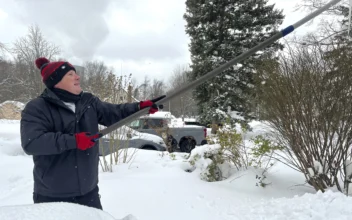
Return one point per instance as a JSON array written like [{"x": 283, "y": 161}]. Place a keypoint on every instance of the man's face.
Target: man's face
[{"x": 70, "y": 83}]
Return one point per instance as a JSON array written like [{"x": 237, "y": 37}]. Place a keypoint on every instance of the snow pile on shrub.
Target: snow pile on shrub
[{"x": 201, "y": 161}]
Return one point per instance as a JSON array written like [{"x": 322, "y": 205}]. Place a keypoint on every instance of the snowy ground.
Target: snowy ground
[{"x": 155, "y": 186}]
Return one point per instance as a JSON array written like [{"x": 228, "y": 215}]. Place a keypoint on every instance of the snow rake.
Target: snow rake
[{"x": 219, "y": 69}]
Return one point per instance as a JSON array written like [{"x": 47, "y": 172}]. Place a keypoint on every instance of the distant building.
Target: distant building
[{"x": 125, "y": 96}]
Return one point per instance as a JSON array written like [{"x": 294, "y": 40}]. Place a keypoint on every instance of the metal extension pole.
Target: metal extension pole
[{"x": 221, "y": 68}]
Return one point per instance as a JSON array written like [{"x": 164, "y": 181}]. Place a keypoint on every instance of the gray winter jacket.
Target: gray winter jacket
[{"x": 47, "y": 132}]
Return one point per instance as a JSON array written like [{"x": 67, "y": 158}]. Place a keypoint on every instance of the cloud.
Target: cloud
[
  {"x": 128, "y": 31},
  {"x": 146, "y": 36},
  {"x": 3, "y": 14},
  {"x": 80, "y": 23},
  {"x": 146, "y": 46},
  {"x": 153, "y": 29}
]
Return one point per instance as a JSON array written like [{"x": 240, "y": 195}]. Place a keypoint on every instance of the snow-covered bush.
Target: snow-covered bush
[
  {"x": 172, "y": 156},
  {"x": 207, "y": 162},
  {"x": 228, "y": 152},
  {"x": 231, "y": 146}
]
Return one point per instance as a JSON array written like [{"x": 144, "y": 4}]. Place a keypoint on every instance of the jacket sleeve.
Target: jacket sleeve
[
  {"x": 36, "y": 135},
  {"x": 109, "y": 114}
]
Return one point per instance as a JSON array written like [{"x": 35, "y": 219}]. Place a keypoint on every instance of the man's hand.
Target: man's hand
[
  {"x": 84, "y": 141},
  {"x": 151, "y": 104}
]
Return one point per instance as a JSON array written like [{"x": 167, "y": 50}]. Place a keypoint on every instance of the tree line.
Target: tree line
[{"x": 21, "y": 80}]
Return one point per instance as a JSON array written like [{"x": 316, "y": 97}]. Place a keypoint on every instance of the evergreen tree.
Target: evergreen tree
[{"x": 219, "y": 31}]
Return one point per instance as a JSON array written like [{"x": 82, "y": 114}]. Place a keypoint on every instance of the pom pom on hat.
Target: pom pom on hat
[{"x": 41, "y": 61}]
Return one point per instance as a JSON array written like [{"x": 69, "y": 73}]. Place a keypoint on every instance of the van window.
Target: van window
[{"x": 135, "y": 124}]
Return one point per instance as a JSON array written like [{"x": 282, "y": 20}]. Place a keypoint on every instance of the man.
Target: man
[{"x": 59, "y": 127}]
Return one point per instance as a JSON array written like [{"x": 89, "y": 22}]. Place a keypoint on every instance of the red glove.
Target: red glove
[
  {"x": 150, "y": 103},
  {"x": 84, "y": 141}
]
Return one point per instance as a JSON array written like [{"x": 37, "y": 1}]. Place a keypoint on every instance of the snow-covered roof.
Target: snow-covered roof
[
  {"x": 190, "y": 119},
  {"x": 160, "y": 114}
]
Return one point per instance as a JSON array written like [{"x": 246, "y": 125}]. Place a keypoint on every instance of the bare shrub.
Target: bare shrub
[
  {"x": 26, "y": 50},
  {"x": 113, "y": 90},
  {"x": 306, "y": 97},
  {"x": 119, "y": 151}
]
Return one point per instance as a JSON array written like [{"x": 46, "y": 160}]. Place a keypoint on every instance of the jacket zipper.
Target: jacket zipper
[
  {"x": 76, "y": 153},
  {"x": 77, "y": 118}
]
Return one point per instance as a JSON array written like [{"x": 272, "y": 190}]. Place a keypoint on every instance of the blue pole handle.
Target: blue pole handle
[
  {"x": 97, "y": 138},
  {"x": 287, "y": 30}
]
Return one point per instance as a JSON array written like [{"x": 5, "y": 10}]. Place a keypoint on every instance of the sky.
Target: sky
[{"x": 142, "y": 37}]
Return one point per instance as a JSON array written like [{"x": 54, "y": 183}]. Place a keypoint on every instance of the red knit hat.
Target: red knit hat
[{"x": 52, "y": 72}]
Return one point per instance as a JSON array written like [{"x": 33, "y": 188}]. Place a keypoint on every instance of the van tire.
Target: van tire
[{"x": 187, "y": 145}]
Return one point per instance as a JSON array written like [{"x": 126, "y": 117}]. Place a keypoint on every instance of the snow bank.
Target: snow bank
[
  {"x": 328, "y": 205},
  {"x": 10, "y": 141},
  {"x": 154, "y": 185},
  {"x": 55, "y": 211}
]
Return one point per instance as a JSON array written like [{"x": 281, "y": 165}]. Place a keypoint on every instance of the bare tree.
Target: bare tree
[
  {"x": 94, "y": 78},
  {"x": 101, "y": 80},
  {"x": 135, "y": 89},
  {"x": 306, "y": 97},
  {"x": 340, "y": 9},
  {"x": 135, "y": 93},
  {"x": 157, "y": 88},
  {"x": 144, "y": 89},
  {"x": 183, "y": 105},
  {"x": 26, "y": 50},
  {"x": 148, "y": 89},
  {"x": 2, "y": 49},
  {"x": 332, "y": 28},
  {"x": 7, "y": 92}
]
